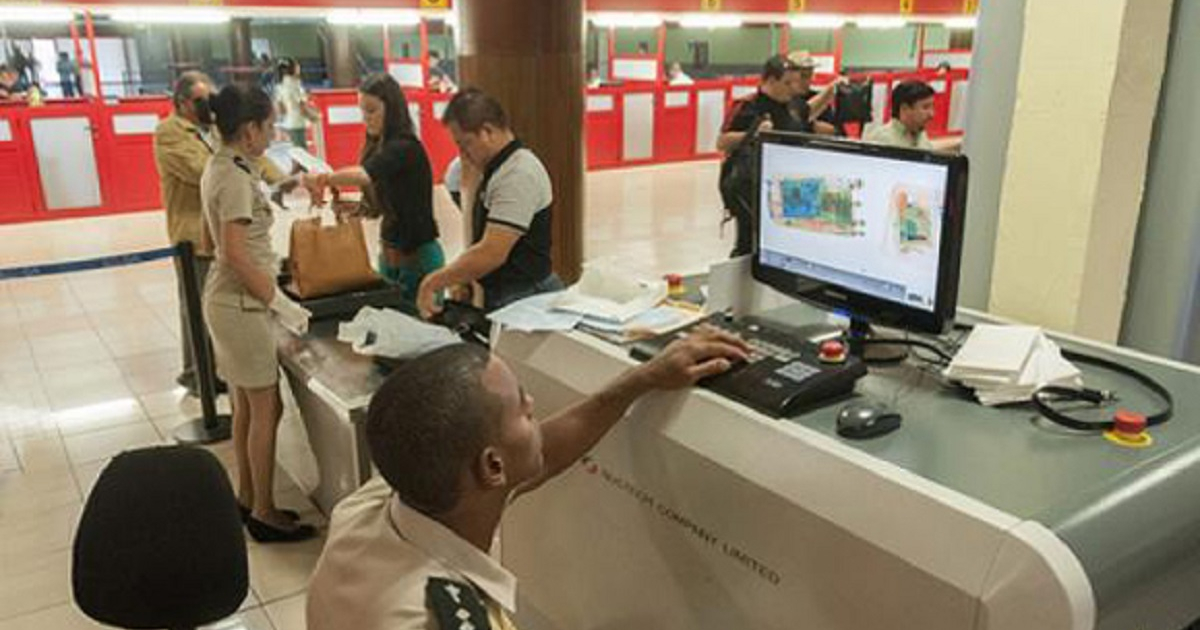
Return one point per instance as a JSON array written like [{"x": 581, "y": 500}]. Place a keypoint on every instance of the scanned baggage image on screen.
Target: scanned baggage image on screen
[
  {"x": 913, "y": 209},
  {"x": 866, "y": 222},
  {"x": 817, "y": 204}
]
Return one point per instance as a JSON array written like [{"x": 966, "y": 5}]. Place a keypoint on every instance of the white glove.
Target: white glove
[{"x": 290, "y": 314}]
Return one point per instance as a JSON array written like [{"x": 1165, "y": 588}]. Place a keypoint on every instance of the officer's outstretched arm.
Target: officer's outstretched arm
[{"x": 571, "y": 433}]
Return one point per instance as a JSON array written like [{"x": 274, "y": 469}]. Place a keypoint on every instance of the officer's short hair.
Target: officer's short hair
[
  {"x": 777, "y": 66},
  {"x": 471, "y": 109},
  {"x": 909, "y": 93},
  {"x": 184, "y": 85},
  {"x": 431, "y": 418}
]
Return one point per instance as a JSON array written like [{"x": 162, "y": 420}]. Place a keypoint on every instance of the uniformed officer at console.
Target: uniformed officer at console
[{"x": 454, "y": 438}]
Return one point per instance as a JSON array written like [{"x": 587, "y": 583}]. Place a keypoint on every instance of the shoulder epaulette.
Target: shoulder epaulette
[
  {"x": 241, "y": 163},
  {"x": 455, "y": 605}
]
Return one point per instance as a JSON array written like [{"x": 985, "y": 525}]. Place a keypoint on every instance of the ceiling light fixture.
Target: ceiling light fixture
[
  {"x": 169, "y": 15},
  {"x": 627, "y": 20},
  {"x": 818, "y": 21}
]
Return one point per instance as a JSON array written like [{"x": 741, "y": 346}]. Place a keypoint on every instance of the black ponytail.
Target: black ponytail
[{"x": 235, "y": 106}]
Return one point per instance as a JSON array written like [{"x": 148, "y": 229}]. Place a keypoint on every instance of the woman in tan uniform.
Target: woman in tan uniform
[{"x": 240, "y": 299}]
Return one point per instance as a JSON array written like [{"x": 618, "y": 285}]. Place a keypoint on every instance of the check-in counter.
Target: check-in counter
[
  {"x": 74, "y": 158},
  {"x": 698, "y": 512},
  {"x": 647, "y": 123},
  {"x": 77, "y": 158},
  {"x": 339, "y": 137}
]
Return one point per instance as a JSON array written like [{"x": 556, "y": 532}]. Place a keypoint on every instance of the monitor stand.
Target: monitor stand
[{"x": 861, "y": 330}]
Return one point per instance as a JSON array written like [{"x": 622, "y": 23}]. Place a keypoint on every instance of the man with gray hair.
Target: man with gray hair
[{"x": 182, "y": 146}]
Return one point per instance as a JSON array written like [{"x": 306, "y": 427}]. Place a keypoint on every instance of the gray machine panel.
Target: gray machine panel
[{"x": 1131, "y": 516}]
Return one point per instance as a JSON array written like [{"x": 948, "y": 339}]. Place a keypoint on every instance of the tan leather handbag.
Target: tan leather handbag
[{"x": 329, "y": 258}]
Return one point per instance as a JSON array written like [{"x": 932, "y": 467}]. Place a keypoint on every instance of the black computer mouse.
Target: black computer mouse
[{"x": 864, "y": 419}]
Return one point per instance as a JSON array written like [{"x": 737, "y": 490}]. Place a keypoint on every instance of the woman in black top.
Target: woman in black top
[{"x": 397, "y": 184}]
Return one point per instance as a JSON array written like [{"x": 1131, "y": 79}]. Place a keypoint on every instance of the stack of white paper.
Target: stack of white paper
[
  {"x": 1007, "y": 364},
  {"x": 605, "y": 294},
  {"x": 534, "y": 314}
]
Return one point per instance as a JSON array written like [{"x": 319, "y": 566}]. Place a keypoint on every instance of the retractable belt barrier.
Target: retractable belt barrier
[{"x": 72, "y": 266}]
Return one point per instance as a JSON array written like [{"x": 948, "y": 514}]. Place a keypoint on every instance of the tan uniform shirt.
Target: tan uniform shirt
[
  {"x": 895, "y": 134},
  {"x": 378, "y": 562},
  {"x": 232, "y": 190},
  {"x": 181, "y": 152}
]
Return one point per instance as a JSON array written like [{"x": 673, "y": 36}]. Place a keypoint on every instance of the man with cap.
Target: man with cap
[
  {"x": 819, "y": 103},
  {"x": 773, "y": 106}
]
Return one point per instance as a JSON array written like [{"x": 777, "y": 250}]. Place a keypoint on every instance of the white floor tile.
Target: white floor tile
[
  {"x": 288, "y": 614},
  {"x": 251, "y": 619},
  {"x": 115, "y": 413},
  {"x": 282, "y": 570},
  {"x": 41, "y": 454},
  {"x": 103, "y": 444},
  {"x": 62, "y": 617},
  {"x": 31, "y": 584},
  {"x": 26, "y": 494},
  {"x": 36, "y": 535}
]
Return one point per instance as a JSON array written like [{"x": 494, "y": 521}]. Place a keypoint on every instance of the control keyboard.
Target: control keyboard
[{"x": 784, "y": 374}]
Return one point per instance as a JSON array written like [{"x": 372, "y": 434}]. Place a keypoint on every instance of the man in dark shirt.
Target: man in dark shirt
[{"x": 772, "y": 107}]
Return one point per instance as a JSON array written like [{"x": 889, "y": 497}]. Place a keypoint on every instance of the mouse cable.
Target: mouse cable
[
  {"x": 917, "y": 343},
  {"x": 1044, "y": 399}
]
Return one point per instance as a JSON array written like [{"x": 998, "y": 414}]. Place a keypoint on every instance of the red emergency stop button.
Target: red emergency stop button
[
  {"x": 832, "y": 351},
  {"x": 1129, "y": 429},
  {"x": 674, "y": 284}
]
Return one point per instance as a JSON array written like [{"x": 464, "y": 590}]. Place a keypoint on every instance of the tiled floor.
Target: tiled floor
[{"x": 88, "y": 360}]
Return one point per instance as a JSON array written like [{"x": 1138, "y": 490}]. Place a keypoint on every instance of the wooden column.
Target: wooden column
[
  {"x": 181, "y": 53},
  {"x": 528, "y": 54},
  {"x": 241, "y": 56},
  {"x": 343, "y": 70}
]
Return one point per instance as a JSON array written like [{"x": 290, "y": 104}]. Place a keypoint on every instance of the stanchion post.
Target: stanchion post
[{"x": 210, "y": 427}]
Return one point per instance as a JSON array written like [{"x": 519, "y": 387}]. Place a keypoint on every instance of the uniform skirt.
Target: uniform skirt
[{"x": 243, "y": 343}]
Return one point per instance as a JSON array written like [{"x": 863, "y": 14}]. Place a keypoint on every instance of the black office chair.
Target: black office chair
[{"x": 160, "y": 542}]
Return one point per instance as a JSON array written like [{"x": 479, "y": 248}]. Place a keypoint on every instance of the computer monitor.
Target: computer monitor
[{"x": 870, "y": 231}]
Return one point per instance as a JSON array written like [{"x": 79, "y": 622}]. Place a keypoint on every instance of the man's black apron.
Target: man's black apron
[{"x": 528, "y": 267}]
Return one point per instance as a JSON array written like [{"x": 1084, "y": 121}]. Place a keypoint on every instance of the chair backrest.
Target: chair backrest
[{"x": 160, "y": 542}]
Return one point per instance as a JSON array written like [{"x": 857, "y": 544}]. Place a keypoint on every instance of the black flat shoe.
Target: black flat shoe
[
  {"x": 264, "y": 533},
  {"x": 245, "y": 512}
]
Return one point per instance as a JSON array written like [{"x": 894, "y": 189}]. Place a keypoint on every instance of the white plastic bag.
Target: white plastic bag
[{"x": 388, "y": 333}]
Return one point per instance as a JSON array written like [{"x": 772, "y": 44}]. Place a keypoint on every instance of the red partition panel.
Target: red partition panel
[
  {"x": 342, "y": 128},
  {"x": 18, "y": 170},
  {"x": 134, "y": 175},
  {"x": 739, "y": 87},
  {"x": 603, "y": 127},
  {"x": 436, "y": 137},
  {"x": 675, "y": 127},
  {"x": 101, "y": 146}
]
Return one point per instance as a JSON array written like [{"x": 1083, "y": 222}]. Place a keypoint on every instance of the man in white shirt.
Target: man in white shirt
[
  {"x": 912, "y": 109},
  {"x": 511, "y": 237},
  {"x": 676, "y": 76},
  {"x": 454, "y": 438}
]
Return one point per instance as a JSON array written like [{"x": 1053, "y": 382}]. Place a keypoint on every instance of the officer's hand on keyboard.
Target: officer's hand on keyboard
[{"x": 706, "y": 352}]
